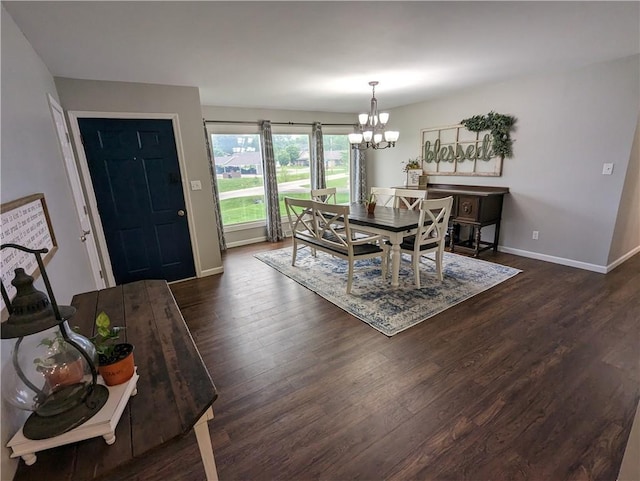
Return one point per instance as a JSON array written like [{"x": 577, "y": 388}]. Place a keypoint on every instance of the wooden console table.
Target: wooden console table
[
  {"x": 475, "y": 206},
  {"x": 174, "y": 392}
]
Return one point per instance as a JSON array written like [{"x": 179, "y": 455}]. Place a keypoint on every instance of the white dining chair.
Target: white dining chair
[
  {"x": 432, "y": 229},
  {"x": 328, "y": 195},
  {"x": 409, "y": 198},
  {"x": 383, "y": 196}
]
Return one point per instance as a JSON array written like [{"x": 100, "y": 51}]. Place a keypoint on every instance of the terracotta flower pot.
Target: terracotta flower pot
[
  {"x": 64, "y": 374},
  {"x": 120, "y": 370}
]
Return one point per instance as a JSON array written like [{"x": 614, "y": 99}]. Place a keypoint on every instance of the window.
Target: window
[
  {"x": 291, "y": 153},
  {"x": 238, "y": 165},
  {"x": 238, "y": 162},
  {"x": 336, "y": 164}
]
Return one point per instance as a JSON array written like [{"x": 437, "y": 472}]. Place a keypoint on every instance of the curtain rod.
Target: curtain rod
[{"x": 256, "y": 122}]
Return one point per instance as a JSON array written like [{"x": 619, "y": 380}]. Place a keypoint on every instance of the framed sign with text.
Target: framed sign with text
[
  {"x": 454, "y": 150},
  {"x": 25, "y": 222}
]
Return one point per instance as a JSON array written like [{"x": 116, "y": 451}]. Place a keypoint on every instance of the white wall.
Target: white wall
[
  {"x": 103, "y": 96},
  {"x": 31, "y": 162},
  {"x": 568, "y": 125},
  {"x": 626, "y": 236}
]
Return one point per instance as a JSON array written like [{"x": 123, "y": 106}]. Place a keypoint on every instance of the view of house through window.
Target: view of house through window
[
  {"x": 336, "y": 165},
  {"x": 292, "y": 167},
  {"x": 238, "y": 165}
]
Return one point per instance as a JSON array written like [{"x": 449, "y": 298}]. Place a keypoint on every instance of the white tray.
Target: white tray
[{"x": 102, "y": 424}]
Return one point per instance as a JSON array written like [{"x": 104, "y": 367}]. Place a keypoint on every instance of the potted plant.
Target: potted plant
[
  {"x": 370, "y": 203},
  {"x": 63, "y": 365},
  {"x": 413, "y": 168},
  {"x": 115, "y": 360}
]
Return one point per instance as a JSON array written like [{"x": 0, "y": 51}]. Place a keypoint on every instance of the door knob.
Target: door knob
[{"x": 181, "y": 213}]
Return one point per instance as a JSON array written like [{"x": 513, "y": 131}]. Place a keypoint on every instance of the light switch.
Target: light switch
[
  {"x": 607, "y": 169},
  {"x": 196, "y": 185}
]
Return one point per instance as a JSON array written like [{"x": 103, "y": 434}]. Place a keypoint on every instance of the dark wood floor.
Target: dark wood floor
[{"x": 536, "y": 379}]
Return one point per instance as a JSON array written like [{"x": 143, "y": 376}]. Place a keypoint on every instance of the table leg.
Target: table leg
[
  {"x": 451, "y": 238},
  {"x": 478, "y": 236},
  {"x": 204, "y": 444},
  {"x": 109, "y": 438},
  {"x": 395, "y": 259}
]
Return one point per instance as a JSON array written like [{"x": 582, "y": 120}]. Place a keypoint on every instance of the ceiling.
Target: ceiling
[{"x": 320, "y": 56}]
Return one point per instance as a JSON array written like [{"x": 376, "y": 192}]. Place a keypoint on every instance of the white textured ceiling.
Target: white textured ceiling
[{"x": 320, "y": 56}]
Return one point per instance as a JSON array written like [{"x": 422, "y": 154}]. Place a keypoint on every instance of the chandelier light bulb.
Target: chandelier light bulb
[
  {"x": 377, "y": 138},
  {"x": 384, "y": 117},
  {"x": 355, "y": 138},
  {"x": 391, "y": 135},
  {"x": 367, "y": 135},
  {"x": 363, "y": 119}
]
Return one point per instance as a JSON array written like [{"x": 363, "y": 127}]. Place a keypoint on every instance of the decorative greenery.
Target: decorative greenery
[
  {"x": 500, "y": 127},
  {"x": 104, "y": 339},
  {"x": 371, "y": 199},
  {"x": 58, "y": 351},
  {"x": 412, "y": 164}
]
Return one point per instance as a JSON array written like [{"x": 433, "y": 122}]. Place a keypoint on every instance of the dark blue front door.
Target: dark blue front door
[{"x": 136, "y": 178}]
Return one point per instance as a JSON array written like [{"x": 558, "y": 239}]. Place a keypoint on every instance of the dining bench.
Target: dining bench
[
  {"x": 326, "y": 227},
  {"x": 175, "y": 393}
]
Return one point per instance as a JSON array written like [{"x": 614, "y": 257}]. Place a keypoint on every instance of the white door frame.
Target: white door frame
[
  {"x": 74, "y": 115},
  {"x": 86, "y": 236}
]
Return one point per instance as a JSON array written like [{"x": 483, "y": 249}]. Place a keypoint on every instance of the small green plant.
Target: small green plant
[
  {"x": 412, "y": 164},
  {"x": 104, "y": 340},
  {"x": 58, "y": 351}
]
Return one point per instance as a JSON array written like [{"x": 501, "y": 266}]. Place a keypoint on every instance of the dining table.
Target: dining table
[{"x": 392, "y": 223}]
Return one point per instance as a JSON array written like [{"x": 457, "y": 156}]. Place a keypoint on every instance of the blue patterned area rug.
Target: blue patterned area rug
[{"x": 372, "y": 299}]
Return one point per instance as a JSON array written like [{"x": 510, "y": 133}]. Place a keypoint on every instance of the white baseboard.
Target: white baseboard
[
  {"x": 211, "y": 272},
  {"x": 509, "y": 250},
  {"x": 571, "y": 262},
  {"x": 620, "y": 260},
  {"x": 245, "y": 242},
  {"x": 555, "y": 260}
]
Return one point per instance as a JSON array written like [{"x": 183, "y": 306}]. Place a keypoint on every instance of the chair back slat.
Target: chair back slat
[
  {"x": 331, "y": 226},
  {"x": 328, "y": 195},
  {"x": 434, "y": 220},
  {"x": 300, "y": 214},
  {"x": 409, "y": 198},
  {"x": 384, "y": 196}
]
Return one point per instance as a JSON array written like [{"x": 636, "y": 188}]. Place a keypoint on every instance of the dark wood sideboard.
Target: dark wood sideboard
[{"x": 474, "y": 207}]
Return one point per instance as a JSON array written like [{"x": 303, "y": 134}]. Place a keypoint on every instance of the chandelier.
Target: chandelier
[{"x": 371, "y": 128}]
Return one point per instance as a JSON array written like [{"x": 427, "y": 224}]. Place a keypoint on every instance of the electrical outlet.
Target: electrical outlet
[
  {"x": 607, "y": 169},
  {"x": 535, "y": 235},
  {"x": 196, "y": 185}
]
